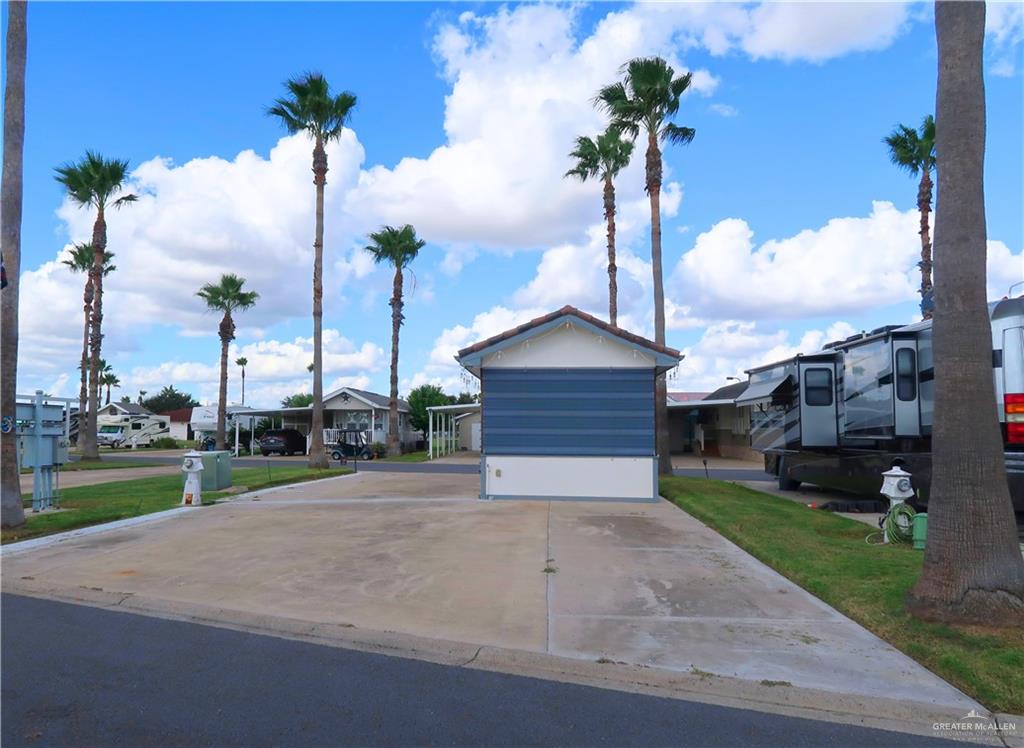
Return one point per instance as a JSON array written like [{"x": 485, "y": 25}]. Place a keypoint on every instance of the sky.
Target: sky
[{"x": 785, "y": 226}]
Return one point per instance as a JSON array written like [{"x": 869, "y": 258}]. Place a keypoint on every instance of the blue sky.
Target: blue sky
[{"x": 465, "y": 114}]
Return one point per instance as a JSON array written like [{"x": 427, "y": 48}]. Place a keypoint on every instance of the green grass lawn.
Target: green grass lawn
[
  {"x": 408, "y": 457},
  {"x": 826, "y": 555},
  {"x": 72, "y": 467},
  {"x": 106, "y": 502}
]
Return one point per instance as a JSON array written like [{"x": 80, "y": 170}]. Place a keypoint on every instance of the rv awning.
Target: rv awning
[{"x": 761, "y": 390}]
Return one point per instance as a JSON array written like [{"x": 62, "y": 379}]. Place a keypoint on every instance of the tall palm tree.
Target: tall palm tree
[
  {"x": 973, "y": 571},
  {"x": 227, "y": 297},
  {"x": 645, "y": 101},
  {"x": 311, "y": 108},
  {"x": 913, "y": 151},
  {"x": 12, "y": 513},
  {"x": 242, "y": 361},
  {"x": 80, "y": 261},
  {"x": 603, "y": 159},
  {"x": 397, "y": 247},
  {"x": 93, "y": 182}
]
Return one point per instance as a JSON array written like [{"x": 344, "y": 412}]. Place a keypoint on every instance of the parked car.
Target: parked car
[
  {"x": 282, "y": 441},
  {"x": 351, "y": 443}
]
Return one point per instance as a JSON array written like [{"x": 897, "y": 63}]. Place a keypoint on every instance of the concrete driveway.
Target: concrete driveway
[{"x": 418, "y": 554}]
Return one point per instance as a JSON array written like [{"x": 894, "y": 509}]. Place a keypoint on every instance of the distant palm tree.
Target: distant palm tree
[
  {"x": 12, "y": 514},
  {"x": 242, "y": 361},
  {"x": 913, "y": 151},
  {"x": 397, "y": 247},
  {"x": 93, "y": 182},
  {"x": 80, "y": 261},
  {"x": 311, "y": 108},
  {"x": 227, "y": 297},
  {"x": 603, "y": 159},
  {"x": 109, "y": 379},
  {"x": 645, "y": 101}
]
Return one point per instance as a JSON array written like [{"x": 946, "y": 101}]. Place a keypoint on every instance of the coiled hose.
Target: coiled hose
[{"x": 897, "y": 525}]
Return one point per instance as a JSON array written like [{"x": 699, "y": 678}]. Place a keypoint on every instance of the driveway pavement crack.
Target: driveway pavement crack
[{"x": 473, "y": 658}]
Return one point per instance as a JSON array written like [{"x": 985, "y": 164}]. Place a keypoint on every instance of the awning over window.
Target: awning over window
[{"x": 761, "y": 390}]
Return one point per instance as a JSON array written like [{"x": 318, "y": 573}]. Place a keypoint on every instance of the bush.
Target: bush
[
  {"x": 164, "y": 442},
  {"x": 379, "y": 449}
]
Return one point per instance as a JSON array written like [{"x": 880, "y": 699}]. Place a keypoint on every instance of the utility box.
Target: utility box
[{"x": 216, "y": 474}]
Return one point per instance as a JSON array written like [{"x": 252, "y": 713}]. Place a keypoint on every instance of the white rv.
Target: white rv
[
  {"x": 839, "y": 417},
  {"x": 130, "y": 429}
]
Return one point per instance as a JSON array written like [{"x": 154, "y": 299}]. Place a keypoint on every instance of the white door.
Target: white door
[{"x": 474, "y": 437}]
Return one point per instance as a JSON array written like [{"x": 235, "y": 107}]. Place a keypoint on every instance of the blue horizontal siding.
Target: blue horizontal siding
[{"x": 568, "y": 412}]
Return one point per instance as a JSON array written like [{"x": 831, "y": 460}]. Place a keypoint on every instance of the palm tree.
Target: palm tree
[
  {"x": 227, "y": 297},
  {"x": 913, "y": 151},
  {"x": 646, "y": 100},
  {"x": 109, "y": 379},
  {"x": 397, "y": 247},
  {"x": 93, "y": 182},
  {"x": 80, "y": 261},
  {"x": 242, "y": 361},
  {"x": 973, "y": 571},
  {"x": 603, "y": 159},
  {"x": 12, "y": 513},
  {"x": 311, "y": 108}
]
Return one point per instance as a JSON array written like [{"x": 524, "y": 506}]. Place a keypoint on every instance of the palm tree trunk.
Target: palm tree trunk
[
  {"x": 227, "y": 334},
  {"x": 924, "y": 205},
  {"x": 12, "y": 513},
  {"x": 660, "y": 386},
  {"x": 394, "y": 443},
  {"x": 83, "y": 394},
  {"x": 973, "y": 571},
  {"x": 90, "y": 449},
  {"x": 317, "y": 454},
  {"x": 243, "y": 385},
  {"x": 613, "y": 287},
  {"x": 107, "y": 401}
]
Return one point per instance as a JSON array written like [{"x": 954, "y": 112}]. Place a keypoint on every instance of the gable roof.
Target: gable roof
[
  {"x": 133, "y": 409},
  {"x": 549, "y": 320},
  {"x": 371, "y": 398}
]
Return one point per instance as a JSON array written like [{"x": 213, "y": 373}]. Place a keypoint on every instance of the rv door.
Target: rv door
[
  {"x": 819, "y": 426},
  {"x": 906, "y": 398}
]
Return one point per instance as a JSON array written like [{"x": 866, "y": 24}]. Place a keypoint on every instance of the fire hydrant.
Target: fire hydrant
[{"x": 193, "y": 469}]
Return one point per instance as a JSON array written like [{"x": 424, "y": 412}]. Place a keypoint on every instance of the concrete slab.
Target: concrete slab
[
  {"x": 417, "y": 554},
  {"x": 690, "y": 460}
]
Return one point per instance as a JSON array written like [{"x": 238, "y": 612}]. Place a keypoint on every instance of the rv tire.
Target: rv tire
[{"x": 785, "y": 482}]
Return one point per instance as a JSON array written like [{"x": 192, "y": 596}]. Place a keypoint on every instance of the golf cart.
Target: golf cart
[{"x": 351, "y": 443}]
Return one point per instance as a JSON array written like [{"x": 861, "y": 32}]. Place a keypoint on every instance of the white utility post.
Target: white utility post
[{"x": 430, "y": 435}]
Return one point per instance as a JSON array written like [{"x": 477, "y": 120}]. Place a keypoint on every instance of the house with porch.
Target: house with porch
[{"x": 347, "y": 409}]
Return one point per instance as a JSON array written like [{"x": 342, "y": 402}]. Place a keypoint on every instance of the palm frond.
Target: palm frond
[
  {"x": 227, "y": 295},
  {"x": 92, "y": 180},
  {"x": 394, "y": 246},
  {"x": 312, "y": 108},
  {"x": 904, "y": 149},
  {"x": 677, "y": 135}
]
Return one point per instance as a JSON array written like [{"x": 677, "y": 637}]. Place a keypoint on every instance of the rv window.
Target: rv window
[
  {"x": 818, "y": 386},
  {"x": 136, "y": 426},
  {"x": 906, "y": 374}
]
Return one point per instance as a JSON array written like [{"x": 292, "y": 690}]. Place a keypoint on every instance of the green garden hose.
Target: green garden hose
[{"x": 897, "y": 525}]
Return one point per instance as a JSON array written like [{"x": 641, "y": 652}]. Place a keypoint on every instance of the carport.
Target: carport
[{"x": 568, "y": 410}]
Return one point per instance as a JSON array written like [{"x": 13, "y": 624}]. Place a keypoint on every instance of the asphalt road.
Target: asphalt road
[
  {"x": 431, "y": 467},
  {"x": 75, "y": 675}
]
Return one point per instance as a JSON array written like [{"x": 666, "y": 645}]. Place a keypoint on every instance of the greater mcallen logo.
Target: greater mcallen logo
[{"x": 974, "y": 722}]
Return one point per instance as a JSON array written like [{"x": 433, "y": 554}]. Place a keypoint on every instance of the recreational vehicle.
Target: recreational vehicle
[
  {"x": 839, "y": 417},
  {"x": 131, "y": 430}
]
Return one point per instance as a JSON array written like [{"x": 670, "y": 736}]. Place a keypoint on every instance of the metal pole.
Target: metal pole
[
  {"x": 430, "y": 435},
  {"x": 37, "y": 471},
  {"x": 237, "y": 424}
]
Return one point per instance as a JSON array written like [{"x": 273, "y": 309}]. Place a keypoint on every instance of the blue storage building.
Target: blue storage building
[{"x": 568, "y": 410}]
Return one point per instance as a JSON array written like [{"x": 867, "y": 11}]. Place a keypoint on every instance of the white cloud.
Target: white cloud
[
  {"x": 724, "y": 110},
  {"x": 729, "y": 348},
  {"x": 821, "y": 31},
  {"x": 1004, "y": 269},
  {"x": 1004, "y": 27}
]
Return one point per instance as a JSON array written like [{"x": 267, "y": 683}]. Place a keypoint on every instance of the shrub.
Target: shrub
[
  {"x": 379, "y": 449},
  {"x": 164, "y": 442}
]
